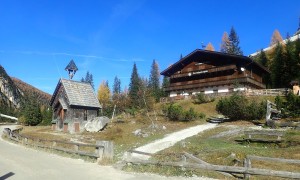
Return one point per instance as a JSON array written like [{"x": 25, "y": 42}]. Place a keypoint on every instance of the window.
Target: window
[{"x": 85, "y": 115}]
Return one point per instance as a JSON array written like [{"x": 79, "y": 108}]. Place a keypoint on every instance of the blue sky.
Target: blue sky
[{"x": 38, "y": 38}]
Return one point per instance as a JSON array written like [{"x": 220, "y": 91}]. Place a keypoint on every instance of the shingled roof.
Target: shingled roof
[
  {"x": 79, "y": 94},
  {"x": 71, "y": 66}
]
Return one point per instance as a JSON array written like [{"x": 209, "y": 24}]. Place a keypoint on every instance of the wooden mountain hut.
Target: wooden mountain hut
[{"x": 211, "y": 72}]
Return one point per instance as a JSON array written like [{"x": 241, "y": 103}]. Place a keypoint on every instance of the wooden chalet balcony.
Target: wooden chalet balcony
[
  {"x": 213, "y": 82},
  {"x": 204, "y": 71}
]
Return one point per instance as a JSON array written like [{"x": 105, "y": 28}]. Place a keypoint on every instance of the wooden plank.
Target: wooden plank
[
  {"x": 259, "y": 140},
  {"x": 76, "y": 152},
  {"x": 54, "y": 145},
  {"x": 259, "y": 158},
  {"x": 195, "y": 159},
  {"x": 200, "y": 161},
  {"x": 229, "y": 169},
  {"x": 140, "y": 152},
  {"x": 269, "y": 133}
]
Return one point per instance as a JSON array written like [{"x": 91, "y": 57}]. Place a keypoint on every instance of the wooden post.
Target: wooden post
[
  {"x": 54, "y": 144},
  {"x": 107, "y": 152},
  {"x": 77, "y": 127},
  {"x": 278, "y": 137},
  {"x": 183, "y": 159},
  {"x": 24, "y": 141},
  {"x": 247, "y": 164},
  {"x": 76, "y": 147}
]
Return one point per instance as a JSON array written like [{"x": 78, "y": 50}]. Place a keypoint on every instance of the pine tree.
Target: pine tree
[
  {"x": 291, "y": 61},
  {"x": 210, "y": 47},
  {"x": 88, "y": 79},
  {"x": 297, "y": 54},
  {"x": 165, "y": 83},
  {"x": 32, "y": 114},
  {"x": 276, "y": 38},
  {"x": 234, "y": 42},
  {"x": 263, "y": 60},
  {"x": 277, "y": 67},
  {"x": 117, "y": 86},
  {"x": 154, "y": 82},
  {"x": 225, "y": 43},
  {"x": 134, "y": 87}
]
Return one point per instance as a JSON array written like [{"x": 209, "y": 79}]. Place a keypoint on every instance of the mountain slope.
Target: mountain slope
[
  {"x": 31, "y": 92},
  {"x": 10, "y": 95}
]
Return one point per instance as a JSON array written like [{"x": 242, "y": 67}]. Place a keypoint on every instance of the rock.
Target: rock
[
  {"x": 164, "y": 127},
  {"x": 145, "y": 135},
  {"x": 96, "y": 124},
  {"x": 137, "y": 132}
]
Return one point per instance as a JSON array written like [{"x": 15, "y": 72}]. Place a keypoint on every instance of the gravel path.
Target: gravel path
[
  {"x": 170, "y": 140},
  {"x": 19, "y": 162}
]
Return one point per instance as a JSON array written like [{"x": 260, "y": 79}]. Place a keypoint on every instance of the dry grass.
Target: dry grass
[{"x": 120, "y": 132}]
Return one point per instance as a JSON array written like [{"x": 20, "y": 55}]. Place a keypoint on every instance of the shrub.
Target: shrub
[
  {"x": 293, "y": 105},
  {"x": 238, "y": 107},
  {"x": 190, "y": 115},
  {"x": 177, "y": 113}
]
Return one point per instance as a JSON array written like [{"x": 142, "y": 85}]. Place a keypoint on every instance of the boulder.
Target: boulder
[{"x": 97, "y": 124}]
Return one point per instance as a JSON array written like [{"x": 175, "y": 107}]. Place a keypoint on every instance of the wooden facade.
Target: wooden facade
[
  {"x": 213, "y": 72},
  {"x": 73, "y": 104}
]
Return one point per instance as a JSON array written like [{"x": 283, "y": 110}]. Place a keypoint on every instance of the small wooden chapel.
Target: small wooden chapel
[{"x": 73, "y": 103}]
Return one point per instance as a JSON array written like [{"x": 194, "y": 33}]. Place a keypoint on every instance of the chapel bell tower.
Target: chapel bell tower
[{"x": 71, "y": 68}]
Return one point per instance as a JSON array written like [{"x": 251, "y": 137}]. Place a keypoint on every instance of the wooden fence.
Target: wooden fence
[
  {"x": 248, "y": 92},
  {"x": 271, "y": 136},
  {"x": 197, "y": 163},
  {"x": 267, "y": 92},
  {"x": 102, "y": 149}
]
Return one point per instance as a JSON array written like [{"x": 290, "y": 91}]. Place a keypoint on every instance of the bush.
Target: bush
[
  {"x": 174, "y": 112},
  {"x": 293, "y": 105},
  {"x": 237, "y": 107},
  {"x": 201, "y": 98},
  {"x": 177, "y": 113}
]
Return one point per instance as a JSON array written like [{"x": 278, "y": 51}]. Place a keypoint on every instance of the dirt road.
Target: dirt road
[
  {"x": 170, "y": 140},
  {"x": 19, "y": 162}
]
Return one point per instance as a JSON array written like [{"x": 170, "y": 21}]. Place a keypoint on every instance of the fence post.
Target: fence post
[
  {"x": 247, "y": 164},
  {"x": 108, "y": 151},
  {"x": 76, "y": 147},
  {"x": 24, "y": 141},
  {"x": 54, "y": 144}
]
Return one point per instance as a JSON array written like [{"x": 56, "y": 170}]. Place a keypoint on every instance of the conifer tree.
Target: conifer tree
[
  {"x": 88, "y": 79},
  {"x": 234, "y": 42},
  {"x": 291, "y": 61},
  {"x": 134, "y": 87},
  {"x": 225, "y": 43},
  {"x": 276, "y": 38},
  {"x": 277, "y": 67},
  {"x": 154, "y": 82},
  {"x": 32, "y": 114},
  {"x": 263, "y": 60},
  {"x": 209, "y": 47},
  {"x": 165, "y": 83},
  {"x": 117, "y": 86},
  {"x": 297, "y": 54}
]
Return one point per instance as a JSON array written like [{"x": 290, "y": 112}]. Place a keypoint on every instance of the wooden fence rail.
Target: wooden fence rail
[
  {"x": 279, "y": 134},
  {"x": 103, "y": 149},
  {"x": 228, "y": 170}
]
